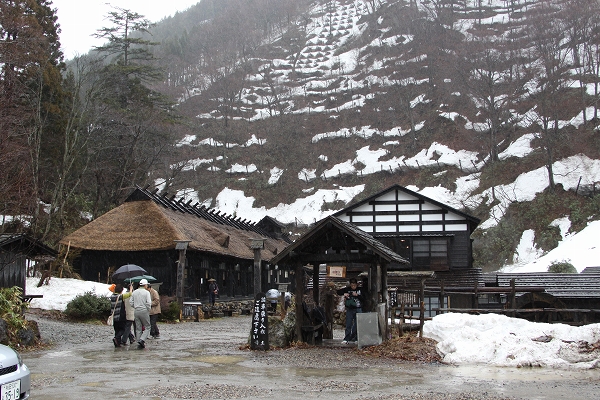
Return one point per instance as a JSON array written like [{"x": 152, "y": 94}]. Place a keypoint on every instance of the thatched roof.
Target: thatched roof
[{"x": 146, "y": 226}]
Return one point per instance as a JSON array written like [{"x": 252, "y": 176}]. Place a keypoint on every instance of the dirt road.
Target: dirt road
[{"x": 203, "y": 360}]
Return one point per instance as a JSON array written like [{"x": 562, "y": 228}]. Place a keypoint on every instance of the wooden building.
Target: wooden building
[
  {"x": 348, "y": 252},
  {"x": 17, "y": 251},
  {"x": 430, "y": 235},
  {"x": 144, "y": 230},
  {"x": 394, "y": 230}
]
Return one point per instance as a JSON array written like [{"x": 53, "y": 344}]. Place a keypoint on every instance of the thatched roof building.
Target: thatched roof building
[{"x": 144, "y": 231}]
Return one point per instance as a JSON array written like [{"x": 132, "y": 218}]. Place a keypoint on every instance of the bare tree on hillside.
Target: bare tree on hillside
[
  {"x": 582, "y": 20},
  {"x": 486, "y": 74},
  {"x": 73, "y": 163},
  {"x": 407, "y": 91},
  {"x": 547, "y": 34}
]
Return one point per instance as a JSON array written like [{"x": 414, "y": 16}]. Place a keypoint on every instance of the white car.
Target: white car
[{"x": 15, "y": 380}]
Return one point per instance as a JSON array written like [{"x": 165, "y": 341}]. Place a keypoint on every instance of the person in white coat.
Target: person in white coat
[{"x": 142, "y": 303}]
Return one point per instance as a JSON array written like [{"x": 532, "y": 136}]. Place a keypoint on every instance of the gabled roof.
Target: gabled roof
[
  {"x": 473, "y": 221},
  {"x": 349, "y": 233},
  {"x": 147, "y": 226},
  {"x": 24, "y": 244}
]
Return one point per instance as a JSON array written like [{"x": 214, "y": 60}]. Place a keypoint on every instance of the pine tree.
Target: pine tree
[
  {"x": 131, "y": 129},
  {"x": 30, "y": 77}
]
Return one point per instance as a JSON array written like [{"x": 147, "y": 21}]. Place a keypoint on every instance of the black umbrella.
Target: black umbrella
[{"x": 128, "y": 271}]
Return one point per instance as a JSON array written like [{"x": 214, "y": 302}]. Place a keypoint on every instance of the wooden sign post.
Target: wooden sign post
[{"x": 260, "y": 324}]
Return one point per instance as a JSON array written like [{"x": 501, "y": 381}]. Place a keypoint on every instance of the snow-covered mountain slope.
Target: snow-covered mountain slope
[{"x": 484, "y": 106}]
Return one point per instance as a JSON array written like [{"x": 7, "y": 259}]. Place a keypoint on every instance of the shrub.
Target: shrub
[
  {"x": 88, "y": 306},
  {"x": 562, "y": 267},
  {"x": 171, "y": 313},
  {"x": 11, "y": 307}
]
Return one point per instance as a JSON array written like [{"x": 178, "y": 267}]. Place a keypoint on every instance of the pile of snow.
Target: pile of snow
[
  {"x": 60, "y": 291},
  {"x": 499, "y": 340}
]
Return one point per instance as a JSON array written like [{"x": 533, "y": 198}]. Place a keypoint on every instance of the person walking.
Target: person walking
[
  {"x": 129, "y": 318},
  {"x": 353, "y": 300},
  {"x": 142, "y": 303},
  {"x": 118, "y": 313},
  {"x": 213, "y": 291},
  {"x": 154, "y": 312}
]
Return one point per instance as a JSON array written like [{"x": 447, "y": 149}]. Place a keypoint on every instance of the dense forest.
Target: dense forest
[{"x": 233, "y": 92}]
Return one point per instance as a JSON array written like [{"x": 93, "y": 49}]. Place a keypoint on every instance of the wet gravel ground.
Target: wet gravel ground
[{"x": 208, "y": 360}]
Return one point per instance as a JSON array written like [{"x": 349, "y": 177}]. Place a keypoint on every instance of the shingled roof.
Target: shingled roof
[
  {"x": 559, "y": 285},
  {"x": 313, "y": 241}
]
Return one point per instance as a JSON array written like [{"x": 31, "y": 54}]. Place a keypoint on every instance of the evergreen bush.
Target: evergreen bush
[
  {"x": 12, "y": 307},
  {"x": 562, "y": 267},
  {"x": 171, "y": 313},
  {"x": 88, "y": 306}
]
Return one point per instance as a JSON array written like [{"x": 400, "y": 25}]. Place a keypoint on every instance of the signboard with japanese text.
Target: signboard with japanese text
[
  {"x": 336, "y": 272},
  {"x": 259, "y": 338}
]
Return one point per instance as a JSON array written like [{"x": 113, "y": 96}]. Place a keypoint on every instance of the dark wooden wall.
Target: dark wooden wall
[
  {"x": 234, "y": 276},
  {"x": 13, "y": 270}
]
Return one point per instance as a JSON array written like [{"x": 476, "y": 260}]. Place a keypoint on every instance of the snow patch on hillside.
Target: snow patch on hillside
[{"x": 307, "y": 210}]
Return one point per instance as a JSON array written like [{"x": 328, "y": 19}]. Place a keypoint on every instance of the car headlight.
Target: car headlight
[{"x": 20, "y": 359}]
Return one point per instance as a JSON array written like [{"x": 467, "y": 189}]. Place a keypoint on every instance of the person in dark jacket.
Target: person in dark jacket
[
  {"x": 353, "y": 300},
  {"x": 213, "y": 291},
  {"x": 118, "y": 313}
]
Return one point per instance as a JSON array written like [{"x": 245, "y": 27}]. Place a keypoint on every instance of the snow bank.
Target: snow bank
[{"x": 503, "y": 341}]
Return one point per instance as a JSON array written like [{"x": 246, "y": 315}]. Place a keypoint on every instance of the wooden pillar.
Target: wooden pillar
[
  {"x": 384, "y": 299},
  {"x": 316, "y": 284},
  {"x": 374, "y": 285},
  {"x": 422, "y": 308},
  {"x": 441, "y": 300},
  {"x": 181, "y": 246},
  {"x": 401, "y": 328},
  {"x": 257, "y": 245},
  {"x": 299, "y": 277},
  {"x": 513, "y": 297},
  {"x": 328, "y": 332}
]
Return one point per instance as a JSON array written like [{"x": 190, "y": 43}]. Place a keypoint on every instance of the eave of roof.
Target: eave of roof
[{"x": 352, "y": 230}]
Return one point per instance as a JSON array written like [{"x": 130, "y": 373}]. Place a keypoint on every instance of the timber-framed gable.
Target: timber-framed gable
[{"x": 430, "y": 234}]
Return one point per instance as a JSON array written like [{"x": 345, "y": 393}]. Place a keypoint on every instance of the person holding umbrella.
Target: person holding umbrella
[{"x": 142, "y": 303}]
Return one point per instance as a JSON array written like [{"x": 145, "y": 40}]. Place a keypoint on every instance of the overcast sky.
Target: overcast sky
[{"x": 79, "y": 20}]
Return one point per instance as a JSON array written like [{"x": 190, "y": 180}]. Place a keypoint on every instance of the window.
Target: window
[{"x": 430, "y": 254}]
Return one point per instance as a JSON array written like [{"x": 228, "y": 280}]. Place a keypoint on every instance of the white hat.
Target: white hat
[{"x": 143, "y": 282}]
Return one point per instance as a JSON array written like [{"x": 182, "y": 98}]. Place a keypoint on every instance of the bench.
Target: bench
[{"x": 28, "y": 297}]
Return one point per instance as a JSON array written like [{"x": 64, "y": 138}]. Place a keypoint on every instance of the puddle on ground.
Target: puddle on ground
[
  {"x": 94, "y": 384},
  {"x": 223, "y": 360},
  {"x": 519, "y": 374}
]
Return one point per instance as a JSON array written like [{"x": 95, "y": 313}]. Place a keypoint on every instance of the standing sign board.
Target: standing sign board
[
  {"x": 367, "y": 328},
  {"x": 260, "y": 324}
]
